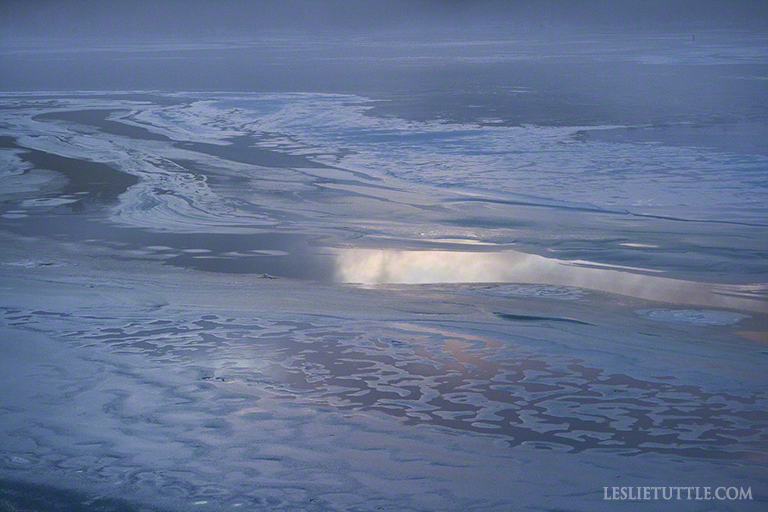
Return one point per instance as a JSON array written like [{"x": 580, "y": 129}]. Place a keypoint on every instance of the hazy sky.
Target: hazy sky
[
  {"x": 366, "y": 46},
  {"x": 192, "y": 19}
]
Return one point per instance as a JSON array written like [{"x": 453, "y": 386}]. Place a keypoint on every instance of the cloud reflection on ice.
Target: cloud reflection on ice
[{"x": 375, "y": 266}]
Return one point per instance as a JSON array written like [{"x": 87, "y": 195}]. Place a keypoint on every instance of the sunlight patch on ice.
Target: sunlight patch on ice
[
  {"x": 639, "y": 246},
  {"x": 374, "y": 267}
]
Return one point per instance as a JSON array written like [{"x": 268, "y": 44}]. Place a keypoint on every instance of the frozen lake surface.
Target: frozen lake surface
[{"x": 316, "y": 301}]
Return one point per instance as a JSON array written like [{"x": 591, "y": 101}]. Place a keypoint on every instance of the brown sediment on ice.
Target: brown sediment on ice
[{"x": 758, "y": 336}]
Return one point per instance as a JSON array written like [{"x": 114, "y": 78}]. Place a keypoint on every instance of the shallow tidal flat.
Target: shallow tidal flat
[{"x": 217, "y": 302}]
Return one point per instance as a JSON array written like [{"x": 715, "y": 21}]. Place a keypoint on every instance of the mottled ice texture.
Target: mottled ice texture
[
  {"x": 696, "y": 317},
  {"x": 275, "y": 394}
]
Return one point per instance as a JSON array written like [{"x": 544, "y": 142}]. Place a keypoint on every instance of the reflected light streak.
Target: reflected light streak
[{"x": 373, "y": 266}]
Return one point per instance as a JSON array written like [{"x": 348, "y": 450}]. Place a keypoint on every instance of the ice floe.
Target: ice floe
[{"x": 693, "y": 316}]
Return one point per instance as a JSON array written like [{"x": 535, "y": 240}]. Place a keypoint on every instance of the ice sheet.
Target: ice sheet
[
  {"x": 251, "y": 392},
  {"x": 496, "y": 184},
  {"x": 301, "y": 306}
]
